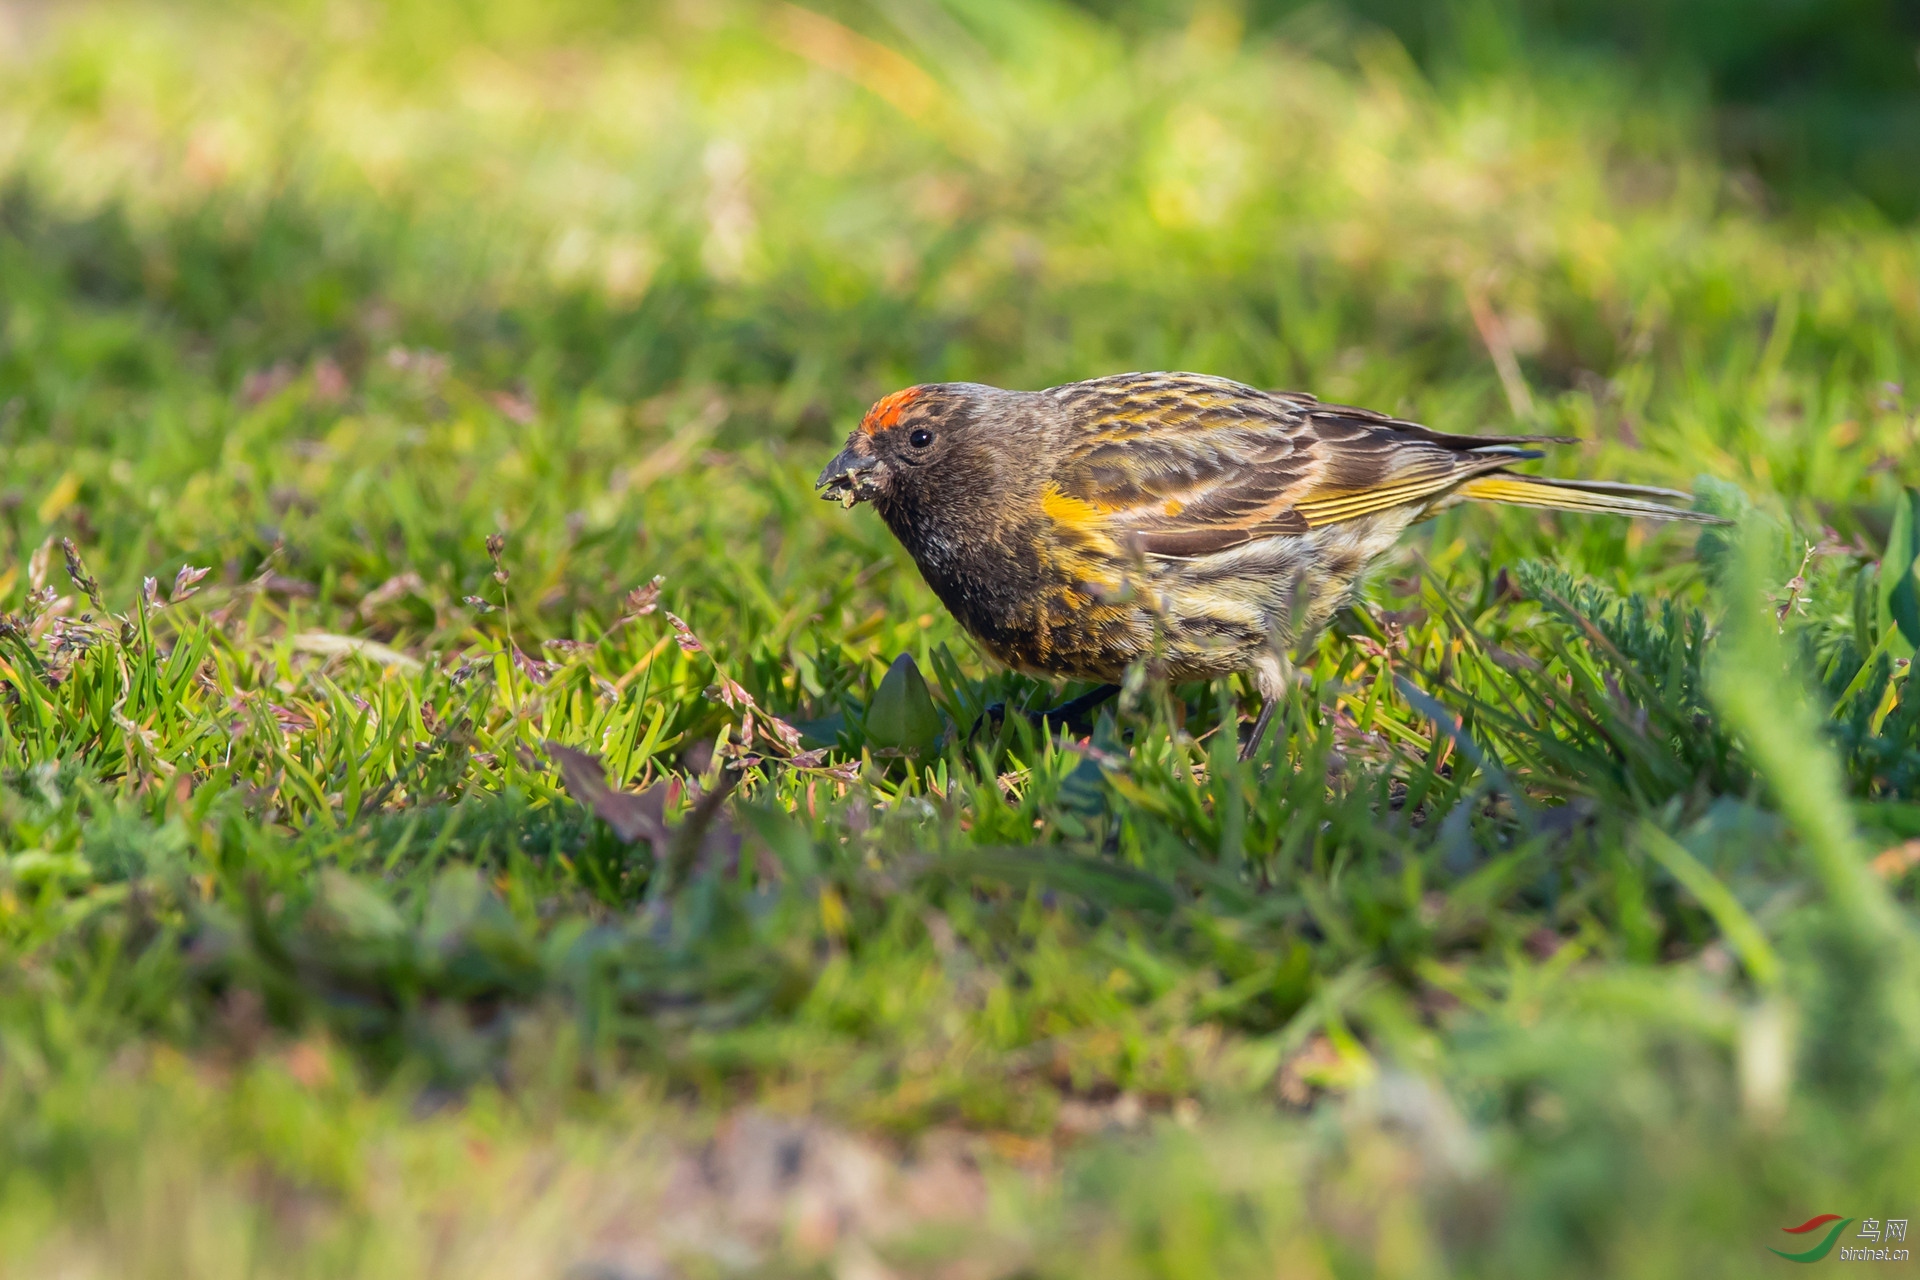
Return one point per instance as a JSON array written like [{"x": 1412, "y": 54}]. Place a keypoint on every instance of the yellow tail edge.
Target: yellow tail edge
[{"x": 1604, "y": 498}]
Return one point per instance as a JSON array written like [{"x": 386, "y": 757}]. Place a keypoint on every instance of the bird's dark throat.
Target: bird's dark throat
[{"x": 987, "y": 577}]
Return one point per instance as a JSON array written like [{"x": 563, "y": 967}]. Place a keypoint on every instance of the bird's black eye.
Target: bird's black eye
[{"x": 920, "y": 439}]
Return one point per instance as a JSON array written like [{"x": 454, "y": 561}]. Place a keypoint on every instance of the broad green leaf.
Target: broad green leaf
[
  {"x": 902, "y": 715},
  {"x": 1899, "y": 587}
]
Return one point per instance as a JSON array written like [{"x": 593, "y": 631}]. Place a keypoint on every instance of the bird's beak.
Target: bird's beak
[{"x": 852, "y": 476}]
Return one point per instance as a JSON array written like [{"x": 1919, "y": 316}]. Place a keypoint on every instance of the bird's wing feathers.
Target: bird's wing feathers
[{"x": 1183, "y": 465}]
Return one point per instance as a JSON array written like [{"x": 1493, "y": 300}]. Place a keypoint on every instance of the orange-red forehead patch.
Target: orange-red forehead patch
[{"x": 887, "y": 412}]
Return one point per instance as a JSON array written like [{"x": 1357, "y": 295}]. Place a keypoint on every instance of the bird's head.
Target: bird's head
[{"x": 905, "y": 441}]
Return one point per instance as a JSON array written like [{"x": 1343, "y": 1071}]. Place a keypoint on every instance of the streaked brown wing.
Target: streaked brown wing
[{"x": 1185, "y": 465}]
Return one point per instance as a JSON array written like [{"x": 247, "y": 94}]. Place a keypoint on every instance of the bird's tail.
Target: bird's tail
[{"x": 1584, "y": 495}]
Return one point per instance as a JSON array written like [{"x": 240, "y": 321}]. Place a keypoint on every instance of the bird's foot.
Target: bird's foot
[{"x": 1073, "y": 715}]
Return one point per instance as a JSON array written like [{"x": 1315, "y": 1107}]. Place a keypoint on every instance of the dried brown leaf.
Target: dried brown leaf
[{"x": 633, "y": 817}]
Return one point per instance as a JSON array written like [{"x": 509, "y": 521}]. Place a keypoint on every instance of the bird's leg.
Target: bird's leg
[
  {"x": 1070, "y": 714},
  {"x": 1272, "y": 673},
  {"x": 1251, "y": 746}
]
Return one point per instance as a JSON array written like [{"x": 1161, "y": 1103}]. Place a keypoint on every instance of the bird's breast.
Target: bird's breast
[
  {"x": 986, "y": 577},
  {"x": 1041, "y": 600}
]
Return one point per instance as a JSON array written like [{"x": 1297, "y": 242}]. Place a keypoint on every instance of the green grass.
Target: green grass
[{"x": 1567, "y": 929}]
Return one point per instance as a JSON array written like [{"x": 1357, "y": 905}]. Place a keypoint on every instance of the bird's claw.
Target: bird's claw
[
  {"x": 1073, "y": 715},
  {"x": 992, "y": 717}
]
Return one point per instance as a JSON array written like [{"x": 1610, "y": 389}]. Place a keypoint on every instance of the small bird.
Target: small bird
[{"x": 1187, "y": 522}]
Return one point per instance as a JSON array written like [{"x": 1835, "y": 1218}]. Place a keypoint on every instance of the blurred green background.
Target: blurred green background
[
  {"x": 1568, "y": 928},
  {"x": 1819, "y": 101}
]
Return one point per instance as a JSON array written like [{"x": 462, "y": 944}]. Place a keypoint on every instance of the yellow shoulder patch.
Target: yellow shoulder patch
[{"x": 1073, "y": 513}]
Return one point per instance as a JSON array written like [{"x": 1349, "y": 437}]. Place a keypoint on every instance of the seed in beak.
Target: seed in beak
[{"x": 846, "y": 479}]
